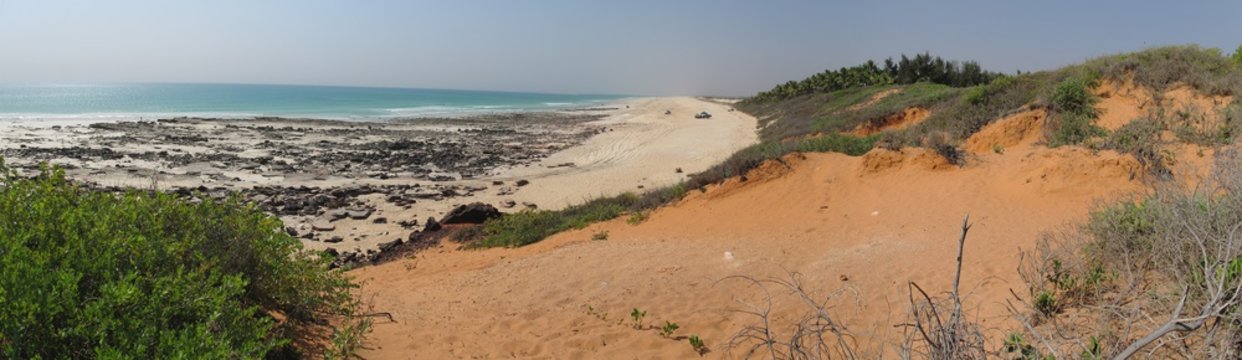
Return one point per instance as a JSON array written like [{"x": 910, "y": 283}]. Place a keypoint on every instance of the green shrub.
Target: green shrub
[
  {"x": 528, "y": 227},
  {"x": 1140, "y": 138},
  {"x": 1073, "y": 96},
  {"x": 148, "y": 275},
  {"x": 531, "y": 226},
  {"x": 1237, "y": 56},
  {"x": 1046, "y": 303},
  {"x": 637, "y": 217},
  {"x": 1074, "y": 129},
  {"x": 740, "y": 162}
]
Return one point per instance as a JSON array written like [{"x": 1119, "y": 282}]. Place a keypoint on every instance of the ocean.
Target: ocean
[{"x": 25, "y": 103}]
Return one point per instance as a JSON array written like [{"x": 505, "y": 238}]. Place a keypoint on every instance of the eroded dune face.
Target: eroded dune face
[
  {"x": 1123, "y": 102},
  {"x": 856, "y": 229}
]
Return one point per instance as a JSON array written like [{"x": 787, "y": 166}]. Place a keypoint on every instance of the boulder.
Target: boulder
[
  {"x": 334, "y": 239},
  {"x": 474, "y": 213},
  {"x": 386, "y": 246},
  {"x": 522, "y": 182},
  {"x": 337, "y": 214},
  {"x": 432, "y": 225}
]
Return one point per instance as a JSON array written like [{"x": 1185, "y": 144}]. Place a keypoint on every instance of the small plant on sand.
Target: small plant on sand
[
  {"x": 1016, "y": 347},
  {"x": 637, "y": 217},
  {"x": 602, "y": 235},
  {"x": 590, "y": 310},
  {"x": 668, "y": 328},
  {"x": 998, "y": 148},
  {"x": 697, "y": 344},
  {"x": 1046, "y": 303},
  {"x": 1093, "y": 351},
  {"x": 638, "y": 316}
]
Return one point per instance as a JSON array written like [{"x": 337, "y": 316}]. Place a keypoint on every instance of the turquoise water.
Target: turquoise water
[{"x": 132, "y": 101}]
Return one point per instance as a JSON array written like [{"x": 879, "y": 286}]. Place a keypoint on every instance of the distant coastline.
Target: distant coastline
[{"x": 122, "y": 102}]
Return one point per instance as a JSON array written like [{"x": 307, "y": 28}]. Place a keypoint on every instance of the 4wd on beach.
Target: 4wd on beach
[{"x": 703, "y": 115}]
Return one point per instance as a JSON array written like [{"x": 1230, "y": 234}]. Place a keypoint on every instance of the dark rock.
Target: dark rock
[
  {"x": 497, "y": 182},
  {"x": 508, "y": 203},
  {"x": 337, "y": 214},
  {"x": 475, "y": 213},
  {"x": 291, "y": 231},
  {"x": 380, "y": 220},
  {"x": 678, "y": 170},
  {"x": 432, "y": 225},
  {"x": 334, "y": 239},
  {"x": 408, "y": 223},
  {"x": 522, "y": 182},
  {"x": 386, "y": 246},
  {"x": 332, "y": 252}
]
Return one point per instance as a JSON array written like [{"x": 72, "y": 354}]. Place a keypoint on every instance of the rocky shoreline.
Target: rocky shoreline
[{"x": 352, "y": 189}]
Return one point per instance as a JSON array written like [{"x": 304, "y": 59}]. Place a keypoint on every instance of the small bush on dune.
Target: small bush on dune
[
  {"x": 148, "y": 275},
  {"x": 1165, "y": 270},
  {"x": 1076, "y": 113},
  {"x": 1073, "y": 96},
  {"x": 739, "y": 163},
  {"x": 942, "y": 145}
]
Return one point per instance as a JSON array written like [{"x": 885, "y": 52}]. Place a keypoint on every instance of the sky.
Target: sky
[{"x": 640, "y": 47}]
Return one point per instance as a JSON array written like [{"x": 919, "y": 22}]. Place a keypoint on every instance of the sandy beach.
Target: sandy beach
[{"x": 353, "y": 186}]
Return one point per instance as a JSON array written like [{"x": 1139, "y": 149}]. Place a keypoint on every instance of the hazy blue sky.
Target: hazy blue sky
[{"x": 580, "y": 46}]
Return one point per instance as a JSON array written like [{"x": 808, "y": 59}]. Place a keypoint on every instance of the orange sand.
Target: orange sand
[{"x": 841, "y": 221}]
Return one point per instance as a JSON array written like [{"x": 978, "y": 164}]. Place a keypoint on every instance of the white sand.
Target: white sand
[{"x": 645, "y": 148}]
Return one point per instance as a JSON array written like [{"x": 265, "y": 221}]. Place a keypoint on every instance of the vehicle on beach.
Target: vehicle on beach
[{"x": 703, "y": 115}]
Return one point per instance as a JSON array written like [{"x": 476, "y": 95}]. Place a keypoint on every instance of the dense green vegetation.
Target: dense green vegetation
[
  {"x": 1074, "y": 102},
  {"x": 147, "y": 275},
  {"x": 921, "y": 68}
]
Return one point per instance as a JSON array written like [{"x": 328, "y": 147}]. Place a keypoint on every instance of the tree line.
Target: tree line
[{"x": 908, "y": 70}]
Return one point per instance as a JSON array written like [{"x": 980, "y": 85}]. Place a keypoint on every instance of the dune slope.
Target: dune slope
[{"x": 867, "y": 223}]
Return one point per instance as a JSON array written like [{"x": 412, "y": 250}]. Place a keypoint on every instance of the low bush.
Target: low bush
[
  {"x": 148, "y": 275},
  {"x": 1164, "y": 269},
  {"x": 1075, "y": 112},
  {"x": 531, "y": 226},
  {"x": 1073, "y": 96}
]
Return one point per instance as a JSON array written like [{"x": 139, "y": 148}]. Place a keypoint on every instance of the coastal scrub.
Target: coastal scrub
[{"x": 149, "y": 275}]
